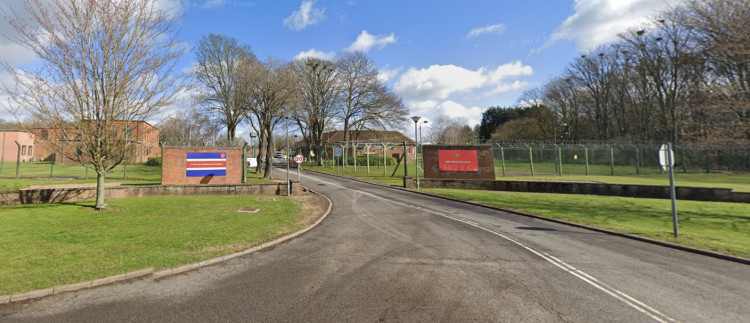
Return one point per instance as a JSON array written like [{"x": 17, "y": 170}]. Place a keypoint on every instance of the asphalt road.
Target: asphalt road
[{"x": 391, "y": 255}]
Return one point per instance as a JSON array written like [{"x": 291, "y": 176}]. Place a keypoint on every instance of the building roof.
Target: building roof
[{"x": 362, "y": 136}]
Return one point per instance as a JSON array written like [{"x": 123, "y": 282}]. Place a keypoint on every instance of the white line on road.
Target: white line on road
[{"x": 619, "y": 295}]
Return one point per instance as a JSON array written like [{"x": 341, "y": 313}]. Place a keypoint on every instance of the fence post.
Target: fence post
[
  {"x": 406, "y": 172},
  {"x": 707, "y": 161},
  {"x": 52, "y": 166},
  {"x": 612, "y": 160},
  {"x": 367, "y": 153},
  {"x": 385, "y": 161},
  {"x": 586, "y": 156},
  {"x": 354, "y": 154},
  {"x": 502, "y": 158},
  {"x": 559, "y": 158},
  {"x": 637, "y": 160},
  {"x": 531, "y": 161},
  {"x": 18, "y": 160}
]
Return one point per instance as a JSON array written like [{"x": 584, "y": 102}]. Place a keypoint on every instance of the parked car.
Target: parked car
[{"x": 277, "y": 155}]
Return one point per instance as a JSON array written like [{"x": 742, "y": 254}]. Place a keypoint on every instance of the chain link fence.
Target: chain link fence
[{"x": 623, "y": 158}]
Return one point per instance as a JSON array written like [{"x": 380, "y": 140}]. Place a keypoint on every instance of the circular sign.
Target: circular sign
[{"x": 299, "y": 159}]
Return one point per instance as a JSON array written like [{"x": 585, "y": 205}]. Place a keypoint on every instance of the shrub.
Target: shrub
[{"x": 153, "y": 161}]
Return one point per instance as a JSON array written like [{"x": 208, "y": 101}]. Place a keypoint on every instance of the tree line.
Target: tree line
[
  {"x": 685, "y": 76},
  {"x": 314, "y": 95}
]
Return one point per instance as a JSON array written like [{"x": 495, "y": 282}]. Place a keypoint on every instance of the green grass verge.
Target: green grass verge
[
  {"x": 721, "y": 227},
  {"x": 46, "y": 245}
]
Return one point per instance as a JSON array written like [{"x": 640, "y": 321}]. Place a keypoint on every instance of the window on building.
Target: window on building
[
  {"x": 23, "y": 150},
  {"x": 45, "y": 134},
  {"x": 30, "y": 150},
  {"x": 126, "y": 130}
]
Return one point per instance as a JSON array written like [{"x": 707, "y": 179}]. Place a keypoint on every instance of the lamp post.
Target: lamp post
[
  {"x": 416, "y": 148},
  {"x": 422, "y": 141},
  {"x": 288, "y": 189},
  {"x": 252, "y": 137}
]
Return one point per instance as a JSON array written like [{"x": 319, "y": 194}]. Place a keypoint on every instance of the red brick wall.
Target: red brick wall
[
  {"x": 484, "y": 155},
  {"x": 175, "y": 159}
]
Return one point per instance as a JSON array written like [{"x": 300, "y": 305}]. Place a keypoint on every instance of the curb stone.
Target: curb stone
[
  {"x": 615, "y": 233},
  {"x": 156, "y": 275}
]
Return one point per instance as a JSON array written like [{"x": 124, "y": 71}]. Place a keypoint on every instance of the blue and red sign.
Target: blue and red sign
[{"x": 206, "y": 164}]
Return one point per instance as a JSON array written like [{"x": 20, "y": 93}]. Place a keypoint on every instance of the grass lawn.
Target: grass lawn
[
  {"x": 721, "y": 227},
  {"x": 46, "y": 245}
]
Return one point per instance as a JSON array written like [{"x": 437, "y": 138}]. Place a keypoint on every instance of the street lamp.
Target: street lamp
[
  {"x": 421, "y": 140},
  {"x": 288, "y": 189},
  {"x": 416, "y": 148},
  {"x": 252, "y": 137}
]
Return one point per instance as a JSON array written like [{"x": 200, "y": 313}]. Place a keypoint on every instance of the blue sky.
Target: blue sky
[{"x": 442, "y": 57}]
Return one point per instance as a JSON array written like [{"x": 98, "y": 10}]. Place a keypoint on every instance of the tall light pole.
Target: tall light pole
[
  {"x": 416, "y": 148},
  {"x": 288, "y": 189},
  {"x": 252, "y": 138},
  {"x": 422, "y": 141}
]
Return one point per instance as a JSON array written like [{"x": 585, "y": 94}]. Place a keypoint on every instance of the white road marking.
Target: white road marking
[{"x": 619, "y": 295}]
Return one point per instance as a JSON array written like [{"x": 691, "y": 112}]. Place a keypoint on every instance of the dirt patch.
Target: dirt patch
[{"x": 313, "y": 206}]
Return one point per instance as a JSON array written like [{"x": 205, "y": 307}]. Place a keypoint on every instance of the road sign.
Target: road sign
[
  {"x": 298, "y": 158},
  {"x": 338, "y": 152},
  {"x": 664, "y": 159}
]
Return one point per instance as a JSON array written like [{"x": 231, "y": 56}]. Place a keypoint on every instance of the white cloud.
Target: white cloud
[
  {"x": 384, "y": 75},
  {"x": 305, "y": 16},
  {"x": 597, "y": 22},
  {"x": 316, "y": 54},
  {"x": 490, "y": 29},
  {"x": 456, "y": 110},
  {"x": 365, "y": 41},
  {"x": 507, "y": 87},
  {"x": 441, "y": 81}
]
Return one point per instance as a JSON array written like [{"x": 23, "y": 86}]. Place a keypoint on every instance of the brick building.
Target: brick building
[
  {"x": 142, "y": 136},
  {"x": 393, "y": 141},
  {"x": 9, "y": 149}
]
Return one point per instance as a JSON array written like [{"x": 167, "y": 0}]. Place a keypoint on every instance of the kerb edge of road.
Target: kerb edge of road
[
  {"x": 583, "y": 226},
  {"x": 156, "y": 275}
]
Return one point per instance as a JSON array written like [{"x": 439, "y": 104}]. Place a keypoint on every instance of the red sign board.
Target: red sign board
[{"x": 458, "y": 160}]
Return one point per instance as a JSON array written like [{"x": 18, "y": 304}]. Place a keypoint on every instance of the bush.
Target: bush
[{"x": 153, "y": 161}]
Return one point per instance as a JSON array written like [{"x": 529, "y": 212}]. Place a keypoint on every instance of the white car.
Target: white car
[{"x": 277, "y": 155}]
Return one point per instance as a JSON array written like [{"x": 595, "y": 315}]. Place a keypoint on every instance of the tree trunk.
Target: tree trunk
[{"x": 100, "y": 190}]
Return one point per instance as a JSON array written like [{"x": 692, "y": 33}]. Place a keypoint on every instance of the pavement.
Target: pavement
[{"x": 393, "y": 255}]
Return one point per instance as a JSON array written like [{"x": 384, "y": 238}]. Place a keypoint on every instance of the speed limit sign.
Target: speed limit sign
[{"x": 299, "y": 159}]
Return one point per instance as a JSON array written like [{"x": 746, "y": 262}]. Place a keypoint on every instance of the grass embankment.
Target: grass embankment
[
  {"x": 38, "y": 173},
  {"x": 46, "y": 245},
  {"x": 721, "y": 227}
]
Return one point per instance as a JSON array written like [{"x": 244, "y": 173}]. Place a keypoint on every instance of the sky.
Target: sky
[{"x": 453, "y": 58}]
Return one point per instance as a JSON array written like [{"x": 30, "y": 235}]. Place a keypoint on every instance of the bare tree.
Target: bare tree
[
  {"x": 447, "y": 130},
  {"x": 318, "y": 95},
  {"x": 218, "y": 69},
  {"x": 271, "y": 90},
  {"x": 103, "y": 65},
  {"x": 366, "y": 103},
  {"x": 188, "y": 126}
]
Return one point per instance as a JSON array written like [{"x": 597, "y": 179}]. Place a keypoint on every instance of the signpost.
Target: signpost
[
  {"x": 666, "y": 160},
  {"x": 338, "y": 152},
  {"x": 298, "y": 158}
]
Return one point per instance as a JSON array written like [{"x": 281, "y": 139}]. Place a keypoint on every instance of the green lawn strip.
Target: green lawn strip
[
  {"x": 53, "y": 244},
  {"x": 375, "y": 175},
  {"x": 737, "y": 182},
  {"x": 721, "y": 227}
]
